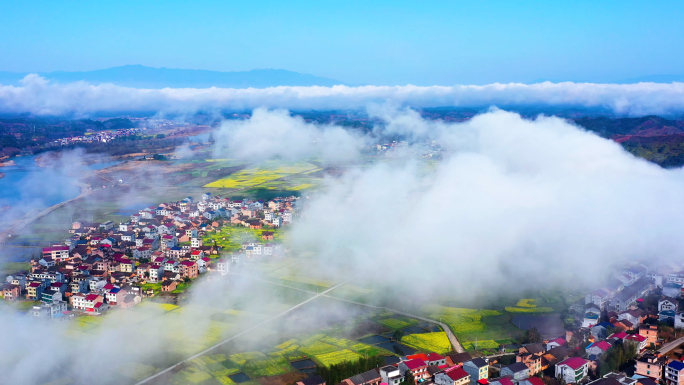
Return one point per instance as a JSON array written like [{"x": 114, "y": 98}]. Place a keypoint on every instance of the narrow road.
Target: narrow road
[
  {"x": 456, "y": 345},
  {"x": 670, "y": 346},
  {"x": 254, "y": 327}
]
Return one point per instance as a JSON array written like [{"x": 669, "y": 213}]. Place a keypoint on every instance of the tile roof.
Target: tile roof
[
  {"x": 574, "y": 362},
  {"x": 457, "y": 374},
  {"x": 414, "y": 364}
]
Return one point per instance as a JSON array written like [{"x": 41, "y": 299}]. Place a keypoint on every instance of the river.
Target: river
[{"x": 27, "y": 185}]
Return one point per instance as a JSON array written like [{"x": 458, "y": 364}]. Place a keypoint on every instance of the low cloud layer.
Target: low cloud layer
[
  {"x": 516, "y": 204},
  {"x": 39, "y": 96},
  {"x": 269, "y": 134}
]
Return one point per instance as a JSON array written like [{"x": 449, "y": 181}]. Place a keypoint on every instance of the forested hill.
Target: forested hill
[{"x": 654, "y": 138}]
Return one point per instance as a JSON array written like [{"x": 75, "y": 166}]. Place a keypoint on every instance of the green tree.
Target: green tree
[
  {"x": 408, "y": 379},
  {"x": 398, "y": 335},
  {"x": 530, "y": 336}
]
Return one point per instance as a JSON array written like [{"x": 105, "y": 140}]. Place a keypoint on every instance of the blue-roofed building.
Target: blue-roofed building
[
  {"x": 674, "y": 373},
  {"x": 666, "y": 316},
  {"x": 590, "y": 319},
  {"x": 602, "y": 330}
]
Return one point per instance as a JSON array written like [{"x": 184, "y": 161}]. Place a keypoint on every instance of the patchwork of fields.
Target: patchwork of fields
[{"x": 265, "y": 175}]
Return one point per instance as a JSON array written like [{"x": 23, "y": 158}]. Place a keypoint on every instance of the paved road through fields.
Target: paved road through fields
[{"x": 252, "y": 328}]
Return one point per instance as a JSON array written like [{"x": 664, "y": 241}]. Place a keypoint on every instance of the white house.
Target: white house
[
  {"x": 667, "y": 303},
  {"x": 572, "y": 369}
]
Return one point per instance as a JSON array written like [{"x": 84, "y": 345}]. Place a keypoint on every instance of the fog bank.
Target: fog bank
[{"x": 39, "y": 96}]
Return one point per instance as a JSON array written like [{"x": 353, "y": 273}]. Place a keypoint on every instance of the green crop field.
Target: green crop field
[
  {"x": 262, "y": 174},
  {"x": 230, "y": 238},
  {"x": 398, "y": 322},
  {"x": 437, "y": 342},
  {"x": 470, "y": 325},
  {"x": 337, "y": 357},
  {"x": 528, "y": 305}
]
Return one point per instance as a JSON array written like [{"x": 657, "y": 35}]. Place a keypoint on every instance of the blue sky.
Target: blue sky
[{"x": 362, "y": 42}]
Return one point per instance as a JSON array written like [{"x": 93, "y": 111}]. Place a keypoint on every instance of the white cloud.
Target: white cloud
[
  {"x": 517, "y": 204},
  {"x": 38, "y": 96},
  {"x": 276, "y": 133}
]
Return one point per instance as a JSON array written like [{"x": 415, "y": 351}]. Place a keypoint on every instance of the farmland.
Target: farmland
[
  {"x": 470, "y": 325},
  {"x": 230, "y": 238},
  {"x": 264, "y": 175},
  {"x": 528, "y": 305},
  {"x": 437, "y": 342}
]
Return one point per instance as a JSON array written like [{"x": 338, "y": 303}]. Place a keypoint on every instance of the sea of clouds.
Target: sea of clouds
[{"x": 37, "y": 95}]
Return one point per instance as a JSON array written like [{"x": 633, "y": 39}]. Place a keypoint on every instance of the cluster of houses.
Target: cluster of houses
[
  {"x": 104, "y": 265},
  {"x": 102, "y": 137},
  {"x": 549, "y": 359},
  {"x": 463, "y": 369},
  {"x": 612, "y": 316}
]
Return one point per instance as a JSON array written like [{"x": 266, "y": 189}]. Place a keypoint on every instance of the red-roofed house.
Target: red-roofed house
[
  {"x": 418, "y": 368},
  {"x": 638, "y": 340},
  {"x": 435, "y": 359},
  {"x": 456, "y": 376},
  {"x": 419, "y": 356},
  {"x": 532, "y": 381},
  {"x": 197, "y": 254},
  {"x": 572, "y": 369},
  {"x": 502, "y": 381},
  {"x": 598, "y": 349},
  {"x": 189, "y": 269},
  {"x": 555, "y": 343},
  {"x": 91, "y": 303}
]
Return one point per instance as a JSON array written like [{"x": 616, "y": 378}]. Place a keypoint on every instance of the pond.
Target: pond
[
  {"x": 549, "y": 325},
  {"x": 414, "y": 330},
  {"x": 303, "y": 364},
  {"x": 374, "y": 340},
  {"x": 391, "y": 360},
  {"x": 239, "y": 377},
  {"x": 397, "y": 348}
]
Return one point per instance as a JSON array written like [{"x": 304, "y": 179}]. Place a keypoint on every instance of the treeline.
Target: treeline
[{"x": 334, "y": 374}]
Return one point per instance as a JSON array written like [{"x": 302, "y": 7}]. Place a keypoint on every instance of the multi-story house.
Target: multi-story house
[
  {"x": 452, "y": 376},
  {"x": 57, "y": 253},
  {"x": 572, "y": 370},
  {"x": 189, "y": 269},
  {"x": 477, "y": 369},
  {"x": 650, "y": 366},
  {"x": 34, "y": 290},
  {"x": 391, "y": 375},
  {"x": 674, "y": 373},
  {"x": 11, "y": 292},
  {"x": 418, "y": 369},
  {"x": 517, "y": 371}
]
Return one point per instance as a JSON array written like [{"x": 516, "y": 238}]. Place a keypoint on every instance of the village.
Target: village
[
  {"x": 96, "y": 137},
  {"x": 626, "y": 334},
  {"x": 104, "y": 265}
]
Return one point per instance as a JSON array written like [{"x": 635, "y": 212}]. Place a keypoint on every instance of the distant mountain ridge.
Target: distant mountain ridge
[{"x": 140, "y": 76}]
